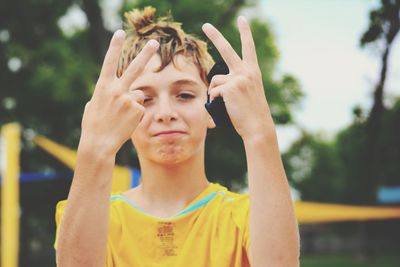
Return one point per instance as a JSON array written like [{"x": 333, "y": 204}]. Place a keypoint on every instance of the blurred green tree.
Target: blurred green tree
[
  {"x": 382, "y": 30},
  {"x": 335, "y": 171},
  {"x": 364, "y": 155},
  {"x": 354, "y": 154},
  {"x": 314, "y": 168},
  {"x": 46, "y": 76}
]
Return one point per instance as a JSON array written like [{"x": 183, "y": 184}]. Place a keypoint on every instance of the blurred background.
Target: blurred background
[{"x": 331, "y": 70}]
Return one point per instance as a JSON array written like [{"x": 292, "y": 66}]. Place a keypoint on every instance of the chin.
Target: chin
[{"x": 171, "y": 154}]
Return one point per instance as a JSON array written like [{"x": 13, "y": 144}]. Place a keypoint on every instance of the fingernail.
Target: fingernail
[
  {"x": 119, "y": 33},
  {"x": 207, "y": 25},
  {"x": 152, "y": 43},
  {"x": 243, "y": 19}
]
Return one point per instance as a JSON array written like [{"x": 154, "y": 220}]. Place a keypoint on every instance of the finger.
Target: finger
[
  {"x": 137, "y": 96},
  {"x": 88, "y": 104},
  {"x": 223, "y": 46},
  {"x": 219, "y": 79},
  {"x": 129, "y": 104},
  {"x": 248, "y": 47},
  {"x": 137, "y": 65},
  {"x": 139, "y": 110},
  {"x": 216, "y": 92},
  {"x": 110, "y": 63}
]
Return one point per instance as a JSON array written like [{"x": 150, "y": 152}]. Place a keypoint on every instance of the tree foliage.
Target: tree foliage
[
  {"x": 383, "y": 29},
  {"x": 384, "y": 23},
  {"x": 335, "y": 170},
  {"x": 314, "y": 168},
  {"x": 365, "y": 155}
]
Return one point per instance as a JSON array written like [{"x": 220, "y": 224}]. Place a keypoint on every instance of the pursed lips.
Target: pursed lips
[{"x": 169, "y": 133}]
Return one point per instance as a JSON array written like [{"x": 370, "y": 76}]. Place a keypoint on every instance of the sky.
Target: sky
[{"x": 319, "y": 44}]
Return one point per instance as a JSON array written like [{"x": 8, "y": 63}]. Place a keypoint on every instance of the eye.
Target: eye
[
  {"x": 185, "y": 96},
  {"x": 147, "y": 99}
]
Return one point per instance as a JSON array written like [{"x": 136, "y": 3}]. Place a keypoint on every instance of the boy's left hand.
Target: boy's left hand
[{"x": 242, "y": 89}]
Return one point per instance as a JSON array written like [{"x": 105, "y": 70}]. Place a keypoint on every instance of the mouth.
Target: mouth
[{"x": 172, "y": 133}]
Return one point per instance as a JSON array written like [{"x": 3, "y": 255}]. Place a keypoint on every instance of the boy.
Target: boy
[{"x": 155, "y": 96}]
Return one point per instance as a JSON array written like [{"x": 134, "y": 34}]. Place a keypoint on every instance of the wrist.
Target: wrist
[
  {"x": 260, "y": 137},
  {"x": 96, "y": 148},
  {"x": 94, "y": 166}
]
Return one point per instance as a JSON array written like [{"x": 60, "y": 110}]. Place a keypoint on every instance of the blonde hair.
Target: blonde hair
[{"x": 141, "y": 27}]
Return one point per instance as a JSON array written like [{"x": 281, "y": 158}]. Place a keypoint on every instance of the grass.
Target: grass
[{"x": 350, "y": 261}]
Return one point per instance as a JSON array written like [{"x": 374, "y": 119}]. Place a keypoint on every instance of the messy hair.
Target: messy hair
[{"x": 141, "y": 26}]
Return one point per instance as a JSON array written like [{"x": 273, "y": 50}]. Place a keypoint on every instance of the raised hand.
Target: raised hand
[
  {"x": 242, "y": 89},
  {"x": 113, "y": 113}
]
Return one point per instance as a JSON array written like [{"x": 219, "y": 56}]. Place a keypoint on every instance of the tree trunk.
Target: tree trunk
[
  {"x": 98, "y": 35},
  {"x": 375, "y": 118},
  {"x": 229, "y": 13},
  {"x": 373, "y": 129}
]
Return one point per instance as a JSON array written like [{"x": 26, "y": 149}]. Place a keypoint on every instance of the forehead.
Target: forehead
[{"x": 183, "y": 69}]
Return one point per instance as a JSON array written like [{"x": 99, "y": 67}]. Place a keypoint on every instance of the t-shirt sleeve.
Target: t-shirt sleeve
[
  {"x": 58, "y": 216},
  {"x": 241, "y": 216},
  {"x": 60, "y": 208}
]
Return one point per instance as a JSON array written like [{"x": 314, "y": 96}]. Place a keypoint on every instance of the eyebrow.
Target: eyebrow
[{"x": 180, "y": 82}]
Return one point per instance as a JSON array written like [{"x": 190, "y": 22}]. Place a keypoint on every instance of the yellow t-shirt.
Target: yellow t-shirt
[{"x": 213, "y": 231}]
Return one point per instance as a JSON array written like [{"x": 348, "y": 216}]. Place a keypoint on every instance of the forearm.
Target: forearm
[
  {"x": 84, "y": 226},
  {"x": 109, "y": 119},
  {"x": 274, "y": 238}
]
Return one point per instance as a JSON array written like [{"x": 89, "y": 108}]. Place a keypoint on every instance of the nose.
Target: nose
[{"x": 165, "y": 111}]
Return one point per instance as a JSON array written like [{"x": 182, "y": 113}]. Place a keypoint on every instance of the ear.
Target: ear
[{"x": 210, "y": 122}]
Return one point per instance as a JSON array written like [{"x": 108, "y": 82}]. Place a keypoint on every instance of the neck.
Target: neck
[{"x": 174, "y": 185}]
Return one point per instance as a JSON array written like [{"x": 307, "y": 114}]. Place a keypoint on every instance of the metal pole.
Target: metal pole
[{"x": 10, "y": 213}]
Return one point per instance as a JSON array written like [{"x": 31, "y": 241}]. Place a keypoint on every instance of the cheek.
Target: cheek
[
  {"x": 198, "y": 106},
  {"x": 197, "y": 115},
  {"x": 199, "y": 127}
]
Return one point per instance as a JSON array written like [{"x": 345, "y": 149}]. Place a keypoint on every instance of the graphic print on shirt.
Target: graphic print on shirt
[{"x": 166, "y": 236}]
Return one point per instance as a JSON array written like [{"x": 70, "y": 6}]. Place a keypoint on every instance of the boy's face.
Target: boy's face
[{"x": 175, "y": 122}]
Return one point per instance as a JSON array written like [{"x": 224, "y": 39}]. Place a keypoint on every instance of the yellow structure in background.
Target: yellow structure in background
[
  {"x": 10, "y": 150},
  {"x": 121, "y": 180},
  {"x": 311, "y": 212},
  {"x": 306, "y": 212}
]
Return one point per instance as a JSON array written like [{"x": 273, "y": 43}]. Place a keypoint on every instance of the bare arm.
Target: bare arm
[
  {"x": 274, "y": 239},
  {"x": 109, "y": 119},
  {"x": 83, "y": 230}
]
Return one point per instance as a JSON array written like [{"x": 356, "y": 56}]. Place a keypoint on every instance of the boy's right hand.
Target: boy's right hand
[{"x": 112, "y": 114}]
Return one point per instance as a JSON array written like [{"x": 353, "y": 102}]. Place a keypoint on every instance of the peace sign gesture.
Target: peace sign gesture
[
  {"x": 242, "y": 89},
  {"x": 113, "y": 113}
]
